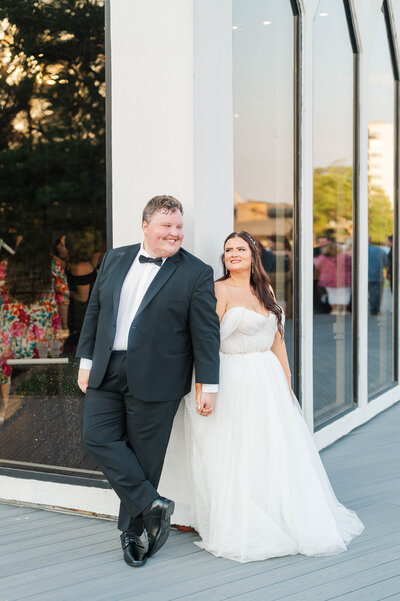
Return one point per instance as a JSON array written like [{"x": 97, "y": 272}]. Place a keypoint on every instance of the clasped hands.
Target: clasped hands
[{"x": 204, "y": 401}]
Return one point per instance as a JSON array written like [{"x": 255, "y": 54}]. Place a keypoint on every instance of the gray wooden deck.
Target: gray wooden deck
[{"x": 62, "y": 557}]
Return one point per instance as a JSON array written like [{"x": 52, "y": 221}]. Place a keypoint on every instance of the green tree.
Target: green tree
[
  {"x": 333, "y": 201},
  {"x": 380, "y": 215},
  {"x": 333, "y": 205},
  {"x": 52, "y": 107}
]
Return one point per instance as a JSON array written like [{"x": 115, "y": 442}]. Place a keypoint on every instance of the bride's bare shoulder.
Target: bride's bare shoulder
[
  {"x": 220, "y": 284},
  {"x": 221, "y": 287}
]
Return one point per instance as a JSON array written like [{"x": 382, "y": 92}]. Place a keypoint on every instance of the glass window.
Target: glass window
[
  {"x": 263, "y": 67},
  {"x": 381, "y": 110},
  {"x": 333, "y": 212},
  {"x": 52, "y": 222}
]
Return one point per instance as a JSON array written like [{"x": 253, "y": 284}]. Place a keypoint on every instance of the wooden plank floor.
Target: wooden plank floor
[{"x": 47, "y": 556}]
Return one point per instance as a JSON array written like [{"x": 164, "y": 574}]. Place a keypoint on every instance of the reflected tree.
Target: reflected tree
[
  {"x": 333, "y": 201},
  {"x": 380, "y": 215},
  {"x": 52, "y": 118},
  {"x": 333, "y": 189}
]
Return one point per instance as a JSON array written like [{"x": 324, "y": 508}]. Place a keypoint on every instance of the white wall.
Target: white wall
[
  {"x": 152, "y": 55},
  {"x": 213, "y": 139},
  {"x": 171, "y": 116}
]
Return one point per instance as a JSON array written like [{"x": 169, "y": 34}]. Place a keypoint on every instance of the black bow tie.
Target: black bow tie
[{"x": 143, "y": 259}]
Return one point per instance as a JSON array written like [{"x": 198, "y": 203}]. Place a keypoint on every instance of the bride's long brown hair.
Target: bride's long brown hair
[{"x": 259, "y": 279}]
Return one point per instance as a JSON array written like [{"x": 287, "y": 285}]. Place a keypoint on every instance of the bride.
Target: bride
[{"x": 251, "y": 481}]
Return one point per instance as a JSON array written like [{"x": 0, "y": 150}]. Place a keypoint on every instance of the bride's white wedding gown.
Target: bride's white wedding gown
[{"x": 251, "y": 481}]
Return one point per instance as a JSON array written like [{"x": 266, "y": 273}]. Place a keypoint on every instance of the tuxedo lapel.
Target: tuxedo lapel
[
  {"x": 161, "y": 278},
  {"x": 122, "y": 269}
]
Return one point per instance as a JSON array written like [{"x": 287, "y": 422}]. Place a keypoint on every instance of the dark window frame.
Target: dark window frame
[{"x": 298, "y": 360}]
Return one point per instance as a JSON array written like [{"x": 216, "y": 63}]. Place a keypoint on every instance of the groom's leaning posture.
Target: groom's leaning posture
[{"x": 151, "y": 314}]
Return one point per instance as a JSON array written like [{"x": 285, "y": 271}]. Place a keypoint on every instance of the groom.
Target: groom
[{"x": 151, "y": 315}]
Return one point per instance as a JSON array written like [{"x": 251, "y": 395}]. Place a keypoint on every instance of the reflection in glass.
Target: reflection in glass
[
  {"x": 52, "y": 216},
  {"x": 263, "y": 138},
  {"x": 333, "y": 209},
  {"x": 380, "y": 212}
]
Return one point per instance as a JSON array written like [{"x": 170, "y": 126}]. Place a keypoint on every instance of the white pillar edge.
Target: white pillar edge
[{"x": 89, "y": 500}]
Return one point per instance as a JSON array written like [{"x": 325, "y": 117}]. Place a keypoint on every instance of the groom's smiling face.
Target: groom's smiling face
[{"x": 163, "y": 233}]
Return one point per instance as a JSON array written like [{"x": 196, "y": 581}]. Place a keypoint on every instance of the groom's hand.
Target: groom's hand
[
  {"x": 205, "y": 402},
  {"x": 83, "y": 379}
]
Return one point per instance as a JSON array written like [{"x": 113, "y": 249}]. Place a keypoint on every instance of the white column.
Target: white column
[
  {"x": 151, "y": 110},
  {"x": 171, "y": 73},
  {"x": 213, "y": 128},
  {"x": 306, "y": 211}
]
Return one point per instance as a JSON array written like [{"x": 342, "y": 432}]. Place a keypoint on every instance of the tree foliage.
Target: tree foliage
[
  {"x": 380, "y": 215},
  {"x": 333, "y": 206},
  {"x": 333, "y": 190},
  {"x": 52, "y": 115}
]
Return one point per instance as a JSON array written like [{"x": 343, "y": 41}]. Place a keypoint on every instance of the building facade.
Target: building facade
[{"x": 279, "y": 117}]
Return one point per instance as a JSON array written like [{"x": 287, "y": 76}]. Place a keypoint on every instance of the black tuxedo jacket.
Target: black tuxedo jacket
[{"x": 175, "y": 324}]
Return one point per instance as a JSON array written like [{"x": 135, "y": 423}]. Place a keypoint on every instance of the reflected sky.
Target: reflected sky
[
  {"x": 263, "y": 99},
  {"x": 380, "y": 76},
  {"x": 333, "y": 86}
]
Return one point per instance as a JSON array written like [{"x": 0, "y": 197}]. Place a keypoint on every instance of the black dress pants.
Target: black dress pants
[{"x": 128, "y": 438}]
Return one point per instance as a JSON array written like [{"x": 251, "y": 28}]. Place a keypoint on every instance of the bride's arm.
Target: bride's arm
[
  {"x": 220, "y": 310},
  {"x": 279, "y": 349}
]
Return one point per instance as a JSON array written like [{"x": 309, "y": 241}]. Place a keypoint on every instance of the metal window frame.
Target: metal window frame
[
  {"x": 355, "y": 315},
  {"x": 108, "y": 125},
  {"x": 387, "y": 10},
  {"x": 297, "y": 175}
]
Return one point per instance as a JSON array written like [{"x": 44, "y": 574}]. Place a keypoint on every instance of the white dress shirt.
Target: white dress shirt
[
  {"x": 135, "y": 286},
  {"x": 136, "y": 283}
]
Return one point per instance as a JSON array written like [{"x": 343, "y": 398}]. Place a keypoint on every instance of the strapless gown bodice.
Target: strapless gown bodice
[{"x": 246, "y": 331}]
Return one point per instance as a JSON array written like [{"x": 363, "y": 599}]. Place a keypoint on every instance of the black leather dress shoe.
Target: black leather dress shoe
[
  {"x": 157, "y": 522},
  {"x": 135, "y": 548}
]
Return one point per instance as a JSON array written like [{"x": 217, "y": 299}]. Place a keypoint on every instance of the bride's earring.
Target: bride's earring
[{"x": 252, "y": 268}]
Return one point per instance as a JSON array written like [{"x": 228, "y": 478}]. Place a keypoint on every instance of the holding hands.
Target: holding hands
[{"x": 205, "y": 401}]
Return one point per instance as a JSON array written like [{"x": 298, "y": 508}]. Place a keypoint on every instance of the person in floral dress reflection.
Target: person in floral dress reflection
[{"x": 34, "y": 301}]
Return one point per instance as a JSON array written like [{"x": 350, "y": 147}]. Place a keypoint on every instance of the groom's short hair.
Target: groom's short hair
[{"x": 161, "y": 204}]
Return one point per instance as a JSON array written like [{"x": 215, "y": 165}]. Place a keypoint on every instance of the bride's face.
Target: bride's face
[{"x": 237, "y": 255}]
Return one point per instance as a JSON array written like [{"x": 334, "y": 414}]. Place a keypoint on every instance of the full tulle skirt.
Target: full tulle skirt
[{"x": 249, "y": 478}]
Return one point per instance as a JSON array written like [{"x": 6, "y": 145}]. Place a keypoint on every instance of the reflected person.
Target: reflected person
[
  {"x": 320, "y": 295},
  {"x": 334, "y": 274},
  {"x": 34, "y": 305},
  {"x": 81, "y": 275},
  {"x": 377, "y": 261}
]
